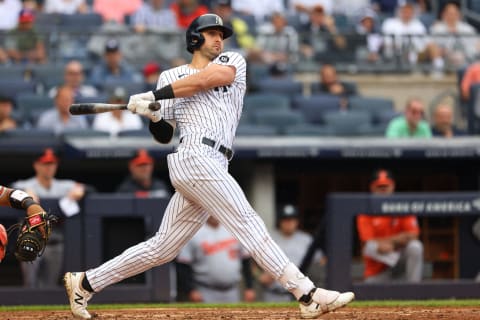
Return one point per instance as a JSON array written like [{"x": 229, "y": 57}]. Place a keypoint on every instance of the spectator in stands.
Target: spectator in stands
[
  {"x": 113, "y": 67},
  {"x": 260, "y": 9},
  {"x": 187, "y": 10},
  {"x": 405, "y": 34},
  {"x": 117, "y": 120},
  {"x": 74, "y": 77},
  {"x": 116, "y": 10},
  {"x": 151, "y": 72},
  {"x": 59, "y": 118},
  {"x": 411, "y": 124},
  {"x": 390, "y": 246},
  {"x": 385, "y": 7},
  {"x": 24, "y": 44},
  {"x": 367, "y": 26},
  {"x": 6, "y": 120},
  {"x": 9, "y": 12},
  {"x": 319, "y": 34},
  {"x": 443, "y": 122},
  {"x": 470, "y": 77},
  {"x": 303, "y": 8},
  {"x": 211, "y": 265},
  {"x": 4, "y": 56},
  {"x": 141, "y": 180},
  {"x": 278, "y": 41},
  {"x": 65, "y": 6},
  {"x": 295, "y": 244},
  {"x": 453, "y": 38},
  {"x": 242, "y": 39},
  {"x": 329, "y": 83},
  {"x": 152, "y": 15},
  {"x": 45, "y": 271}
]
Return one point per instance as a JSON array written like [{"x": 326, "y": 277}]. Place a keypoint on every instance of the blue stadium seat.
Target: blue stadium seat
[
  {"x": 85, "y": 22},
  {"x": 278, "y": 119},
  {"x": 84, "y": 133},
  {"x": 349, "y": 85},
  {"x": 32, "y": 105},
  {"x": 13, "y": 72},
  {"x": 246, "y": 129},
  {"x": 374, "y": 105},
  {"x": 49, "y": 75},
  {"x": 315, "y": 106},
  {"x": 30, "y": 133},
  {"x": 265, "y": 101},
  {"x": 308, "y": 130},
  {"x": 130, "y": 87},
  {"x": 287, "y": 86},
  {"x": 12, "y": 87},
  {"x": 349, "y": 123},
  {"x": 135, "y": 133}
]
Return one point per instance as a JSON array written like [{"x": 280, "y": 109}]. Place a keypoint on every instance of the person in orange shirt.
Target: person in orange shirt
[
  {"x": 186, "y": 11},
  {"x": 471, "y": 77},
  {"x": 116, "y": 10},
  {"x": 391, "y": 249}
]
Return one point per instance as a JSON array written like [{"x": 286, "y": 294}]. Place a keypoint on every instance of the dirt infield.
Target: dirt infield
[{"x": 362, "y": 313}]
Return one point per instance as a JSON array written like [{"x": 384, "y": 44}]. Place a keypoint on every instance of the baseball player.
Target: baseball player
[
  {"x": 204, "y": 99},
  {"x": 20, "y": 200},
  {"x": 211, "y": 266}
]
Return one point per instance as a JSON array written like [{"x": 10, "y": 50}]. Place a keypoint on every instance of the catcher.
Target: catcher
[{"x": 33, "y": 231}]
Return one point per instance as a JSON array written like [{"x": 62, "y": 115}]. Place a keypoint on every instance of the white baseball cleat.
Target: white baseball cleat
[
  {"x": 77, "y": 296},
  {"x": 324, "y": 301}
]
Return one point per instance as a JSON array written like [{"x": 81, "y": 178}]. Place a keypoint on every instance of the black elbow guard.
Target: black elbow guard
[{"x": 162, "y": 131}]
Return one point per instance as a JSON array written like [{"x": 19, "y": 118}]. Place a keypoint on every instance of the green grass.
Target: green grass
[{"x": 356, "y": 304}]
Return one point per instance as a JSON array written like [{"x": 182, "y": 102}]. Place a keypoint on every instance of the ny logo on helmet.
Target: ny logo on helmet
[{"x": 218, "y": 20}]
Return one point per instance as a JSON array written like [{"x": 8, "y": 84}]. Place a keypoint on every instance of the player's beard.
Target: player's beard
[{"x": 211, "y": 52}]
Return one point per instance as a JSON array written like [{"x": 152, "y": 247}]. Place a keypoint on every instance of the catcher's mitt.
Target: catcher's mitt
[
  {"x": 3, "y": 242},
  {"x": 33, "y": 235}
]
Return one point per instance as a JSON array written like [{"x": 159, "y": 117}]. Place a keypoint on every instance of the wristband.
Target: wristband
[
  {"x": 164, "y": 93},
  {"x": 20, "y": 199}
]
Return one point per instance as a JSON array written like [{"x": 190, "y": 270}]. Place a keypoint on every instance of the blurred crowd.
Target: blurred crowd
[{"x": 55, "y": 52}]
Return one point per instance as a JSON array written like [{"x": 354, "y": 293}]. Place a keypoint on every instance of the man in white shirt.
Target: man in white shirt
[{"x": 9, "y": 10}]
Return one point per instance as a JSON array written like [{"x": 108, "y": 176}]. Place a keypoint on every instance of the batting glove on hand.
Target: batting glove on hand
[{"x": 143, "y": 108}]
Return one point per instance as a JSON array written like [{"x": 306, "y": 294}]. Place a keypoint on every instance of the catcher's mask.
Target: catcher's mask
[{"x": 193, "y": 35}]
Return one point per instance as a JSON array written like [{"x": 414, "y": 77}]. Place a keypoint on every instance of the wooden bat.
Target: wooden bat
[{"x": 92, "y": 108}]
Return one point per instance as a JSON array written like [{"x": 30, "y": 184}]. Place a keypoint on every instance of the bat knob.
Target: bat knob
[{"x": 154, "y": 106}]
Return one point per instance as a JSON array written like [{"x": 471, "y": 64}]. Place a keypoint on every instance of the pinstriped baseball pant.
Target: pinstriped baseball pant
[{"x": 203, "y": 187}]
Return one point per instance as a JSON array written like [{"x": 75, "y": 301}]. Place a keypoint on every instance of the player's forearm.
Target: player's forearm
[
  {"x": 19, "y": 200},
  {"x": 4, "y": 194}
]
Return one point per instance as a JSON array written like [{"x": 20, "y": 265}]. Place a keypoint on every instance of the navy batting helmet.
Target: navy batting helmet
[{"x": 194, "y": 37}]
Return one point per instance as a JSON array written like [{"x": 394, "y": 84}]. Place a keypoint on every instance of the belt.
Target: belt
[{"x": 222, "y": 149}]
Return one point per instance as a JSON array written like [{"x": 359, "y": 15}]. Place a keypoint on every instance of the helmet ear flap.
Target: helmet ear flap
[{"x": 195, "y": 41}]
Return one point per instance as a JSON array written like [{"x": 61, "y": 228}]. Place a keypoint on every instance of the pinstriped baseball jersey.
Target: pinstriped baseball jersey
[{"x": 199, "y": 173}]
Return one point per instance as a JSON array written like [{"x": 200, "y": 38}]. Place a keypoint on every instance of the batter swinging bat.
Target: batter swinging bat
[{"x": 92, "y": 108}]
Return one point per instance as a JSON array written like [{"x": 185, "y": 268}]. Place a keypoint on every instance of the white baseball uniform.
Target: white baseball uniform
[{"x": 199, "y": 173}]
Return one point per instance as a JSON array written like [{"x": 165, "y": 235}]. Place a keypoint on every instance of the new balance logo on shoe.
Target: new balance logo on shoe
[{"x": 78, "y": 299}]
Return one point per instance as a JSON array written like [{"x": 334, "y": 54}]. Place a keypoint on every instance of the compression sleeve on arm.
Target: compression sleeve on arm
[
  {"x": 162, "y": 131},
  {"x": 164, "y": 93}
]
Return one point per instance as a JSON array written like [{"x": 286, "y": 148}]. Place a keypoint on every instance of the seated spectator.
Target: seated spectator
[
  {"x": 367, "y": 26},
  {"x": 411, "y": 124},
  {"x": 141, "y": 180},
  {"x": 153, "y": 16},
  {"x": 65, "y": 6},
  {"x": 405, "y": 34},
  {"x": 454, "y": 38},
  {"x": 73, "y": 77},
  {"x": 151, "y": 72},
  {"x": 24, "y": 44},
  {"x": 278, "y": 41},
  {"x": 6, "y": 120},
  {"x": 470, "y": 77},
  {"x": 260, "y": 9},
  {"x": 329, "y": 83},
  {"x": 318, "y": 34},
  {"x": 385, "y": 7},
  {"x": 303, "y": 8},
  {"x": 59, "y": 119},
  {"x": 186, "y": 11},
  {"x": 116, "y": 10},
  {"x": 117, "y": 120},
  {"x": 390, "y": 246},
  {"x": 443, "y": 122},
  {"x": 113, "y": 67},
  {"x": 9, "y": 11},
  {"x": 242, "y": 39}
]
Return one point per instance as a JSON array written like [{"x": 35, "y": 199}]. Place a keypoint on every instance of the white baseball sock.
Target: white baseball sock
[{"x": 295, "y": 281}]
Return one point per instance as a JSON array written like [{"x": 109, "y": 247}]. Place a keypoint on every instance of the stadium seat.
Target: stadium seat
[
  {"x": 81, "y": 23},
  {"x": 47, "y": 22},
  {"x": 349, "y": 123},
  {"x": 12, "y": 87},
  {"x": 374, "y": 105},
  {"x": 32, "y": 105},
  {"x": 49, "y": 75},
  {"x": 135, "y": 133},
  {"x": 278, "y": 119},
  {"x": 315, "y": 106},
  {"x": 349, "y": 85},
  {"x": 287, "y": 86},
  {"x": 130, "y": 87},
  {"x": 30, "y": 133},
  {"x": 84, "y": 133},
  {"x": 265, "y": 101},
  {"x": 246, "y": 129},
  {"x": 13, "y": 72},
  {"x": 308, "y": 130}
]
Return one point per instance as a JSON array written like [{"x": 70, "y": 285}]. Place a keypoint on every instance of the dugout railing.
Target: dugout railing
[{"x": 341, "y": 210}]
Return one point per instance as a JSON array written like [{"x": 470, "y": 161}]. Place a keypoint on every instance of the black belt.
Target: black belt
[{"x": 222, "y": 149}]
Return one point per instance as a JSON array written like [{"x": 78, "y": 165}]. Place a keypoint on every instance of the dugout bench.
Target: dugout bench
[
  {"x": 92, "y": 237},
  {"x": 342, "y": 208}
]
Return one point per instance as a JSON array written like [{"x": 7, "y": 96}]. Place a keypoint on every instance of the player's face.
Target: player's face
[{"x": 213, "y": 44}]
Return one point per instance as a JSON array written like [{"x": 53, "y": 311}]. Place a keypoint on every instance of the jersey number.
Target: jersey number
[{"x": 223, "y": 88}]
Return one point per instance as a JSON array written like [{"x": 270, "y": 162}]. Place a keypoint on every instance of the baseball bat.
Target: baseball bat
[{"x": 94, "y": 107}]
